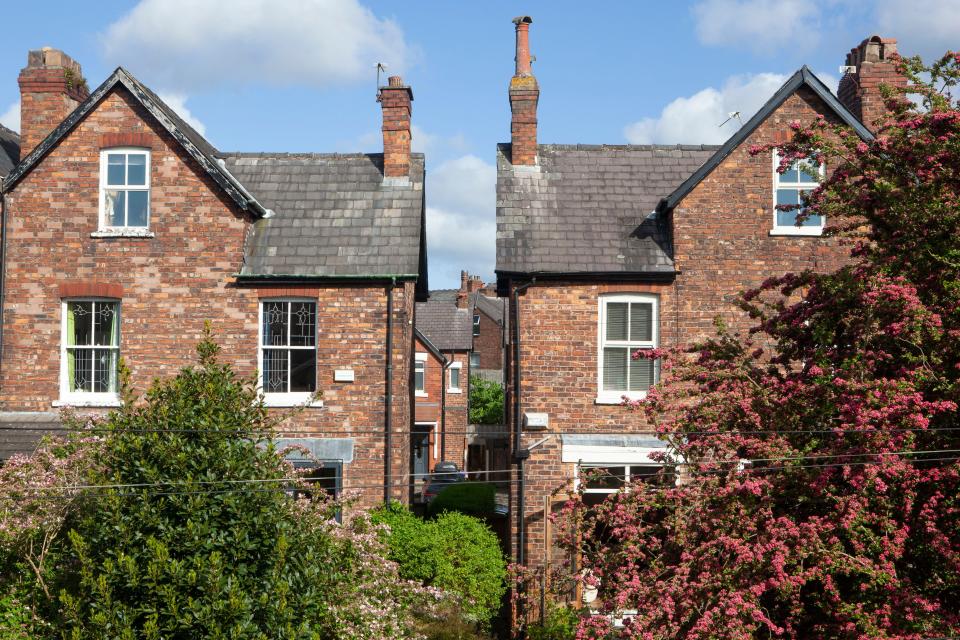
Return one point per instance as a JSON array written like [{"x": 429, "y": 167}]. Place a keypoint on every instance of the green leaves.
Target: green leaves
[{"x": 486, "y": 401}]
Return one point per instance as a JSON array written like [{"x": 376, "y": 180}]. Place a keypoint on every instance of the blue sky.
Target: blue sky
[{"x": 299, "y": 75}]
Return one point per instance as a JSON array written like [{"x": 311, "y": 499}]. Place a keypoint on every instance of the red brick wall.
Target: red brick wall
[
  {"x": 722, "y": 246},
  {"x": 456, "y": 411},
  {"x": 489, "y": 344},
  {"x": 174, "y": 282}
]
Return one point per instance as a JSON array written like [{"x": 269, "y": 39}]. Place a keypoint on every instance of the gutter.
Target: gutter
[{"x": 288, "y": 278}]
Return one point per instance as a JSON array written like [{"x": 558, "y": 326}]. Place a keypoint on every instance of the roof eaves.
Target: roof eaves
[
  {"x": 159, "y": 111},
  {"x": 432, "y": 348},
  {"x": 803, "y": 76}
]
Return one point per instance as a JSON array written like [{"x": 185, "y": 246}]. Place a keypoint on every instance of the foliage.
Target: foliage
[
  {"x": 15, "y": 618},
  {"x": 486, "y": 401},
  {"x": 454, "y": 552},
  {"x": 473, "y": 498},
  {"x": 560, "y": 623},
  {"x": 821, "y": 495},
  {"x": 192, "y": 533}
]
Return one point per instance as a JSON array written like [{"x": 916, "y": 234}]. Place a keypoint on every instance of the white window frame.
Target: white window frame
[
  {"x": 459, "y": 367},
  {"x": 420, "y": 360},
  {"x": 123, "y": 230},
  {"x": 778, "y": 183},
  {"x": 471, "y": 357},
  {"x": 296, "y": 398},
  {"x": 85, "y": 398},
  {"x": 578, "y": 475},
  {"x": 476, "y": 325},
  {"x": 616, "y": 396}
]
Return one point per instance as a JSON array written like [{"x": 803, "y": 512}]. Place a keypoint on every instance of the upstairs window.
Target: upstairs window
[
  {"x": 420, "y": 375},
  {"x": 788, "y": 189},
  {"x": 628, "y": 323},
  {"x": 288, "y": 350},
  {"x": 476, "y": 324},
  {"x": 474, "y": 360},
  {"x": 90, "y": 352},
  {"x": 125, "y": 190},
  {"x": 454, "y": 386}
]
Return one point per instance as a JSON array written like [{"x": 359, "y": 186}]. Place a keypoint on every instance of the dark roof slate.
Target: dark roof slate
[
  {"x": 588, "y": 208},
  {"x": 333, "y": 215},
  {"x": 803, "y": 77},
  {"x": 22, "y": 431},
  {"x": 445, "y": 325},
  {"x": 9, "y": 150},
  {"x": 493, "y": 307}
]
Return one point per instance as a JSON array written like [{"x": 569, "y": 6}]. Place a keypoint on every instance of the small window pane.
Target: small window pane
[
  {"x": 275, "y": 370},
  {"x": 603, "y": 477},
  {"x": 809, "y": 172},
  {"x": 455, "y": 378},
  {"x": 136, "y": 169},
  {"x": 115, "y": 205},
  {"x": 104, "y": 365},
  {"x": 105, "y": 324},
  {"x": 641, "y": 321},
  {"x": 275, "y": 323},
  {"x": 617, "y": 320},
  {"x": 790, "y": 175},
  {"x": 641, "y": 374},
  {"x": 615, "y": 368},
  {"x": 303, "y": 324},
  {"x": 79, "y": 323},
  {"x": 787, "y": 197},
  {"x": 645, "y": 473},
  {"x": 474, "y": 360},
  {"x": 303, "y": 370},
  {"x": 82, "y": 361},
  {"x": 115, "y": 169},
  {"x": 137, "y": 208}
]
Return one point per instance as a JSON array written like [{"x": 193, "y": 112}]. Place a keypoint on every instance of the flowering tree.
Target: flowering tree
[{"x": 819, "y": 486}]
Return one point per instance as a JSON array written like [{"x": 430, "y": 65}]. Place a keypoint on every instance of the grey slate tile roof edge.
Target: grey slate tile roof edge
[
  {"x": 432, "y": 348},
  {"x": 192, "y": 142},
  {"x": 803, "y": 77},
  {"x": 9, "y": 150},
  {"x": 25, "y": 429}
]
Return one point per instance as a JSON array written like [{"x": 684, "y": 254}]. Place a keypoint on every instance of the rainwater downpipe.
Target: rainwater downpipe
[
  {"x": 3, "y": 263},
  {"x": 388, "y": 408},
  {"x": 443, "y": 407},
  {"x": 519, "y": 454}
]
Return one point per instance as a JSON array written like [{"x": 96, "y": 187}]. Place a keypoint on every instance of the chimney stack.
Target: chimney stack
[
  {"x": 859, "y": 90},
  {"x": 395, "y": 99},
  {"x": 524, "y": 95},
  {"x": 51, "y": 87},
  {"x": 462, "y": 293}
]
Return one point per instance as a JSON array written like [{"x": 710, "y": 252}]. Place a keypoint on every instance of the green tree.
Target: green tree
[
  {"x": 192, "y": 532},
  {"x": 486, "y": 401}
]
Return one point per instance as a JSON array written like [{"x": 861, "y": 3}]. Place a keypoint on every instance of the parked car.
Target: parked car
[{"x": 444, "y": 474}]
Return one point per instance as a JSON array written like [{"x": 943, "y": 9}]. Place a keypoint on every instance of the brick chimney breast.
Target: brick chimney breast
[
  {"x": 51, "y": 87},
  {"x": 395, "y": 99},
  {"x": 859, "y": 90},
  {"x": 524, "y": 96}
]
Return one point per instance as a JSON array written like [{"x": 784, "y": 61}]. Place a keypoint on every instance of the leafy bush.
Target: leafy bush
[
  {"x": 14, "y": 619},
  {"x": 560, "y": 623},
  {"x": 454, "y": 552},
  {"x": 486, "y": 401},
  {"x": 472, "y": 498},
  {"x": 194, "y": 535}
]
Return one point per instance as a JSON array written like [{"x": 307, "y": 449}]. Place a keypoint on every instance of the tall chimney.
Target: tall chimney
[
  {"x": 463, "y": 292},
  {"x": 859, "y": 90},
  {"x": 524, "y": 95},
  {"x": 51, "y": 86},
  {"x": 395, "y": 99}
]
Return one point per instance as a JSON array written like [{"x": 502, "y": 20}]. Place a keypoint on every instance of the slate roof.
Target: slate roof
[
  {"x": 493, "y": 307},
  {"x": 588, "y": 208},
  {"x": 9, "y": 150},
  {"x": 334, "y": 215},
  {"x": 21, "y": 431},
  {"x": 448, "y": 327}
]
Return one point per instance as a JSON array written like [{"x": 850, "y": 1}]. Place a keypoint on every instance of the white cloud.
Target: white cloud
[
  {"x": 696, "y": 119},
  {"x": 761, "y": 25},
  {"x": 11, "y": 117},
  {"x": 461, "y": 220},
  {"x": 178, "y": 102},
  {"x": 925, "y": 27},
  {"x": 420, "y": 142},
  {"x": 190, "y": 44}
]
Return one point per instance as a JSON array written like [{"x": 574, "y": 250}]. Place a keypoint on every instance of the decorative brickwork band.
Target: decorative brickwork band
[
  {"x": 395, "y": 101},
  {"x": 91, "y": 290},
  {"x": 131, "y": 139}
]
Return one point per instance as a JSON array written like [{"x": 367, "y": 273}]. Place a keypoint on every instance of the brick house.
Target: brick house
[
  {"x": 126, "y": 230},
  {"x": 441, "y": 391},
  {"x": 603, "y": 250}
]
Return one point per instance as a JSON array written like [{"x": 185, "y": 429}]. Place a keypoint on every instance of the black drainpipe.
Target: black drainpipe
[
  {"x": 3, "y": 263},
  {"x": 519, "y": 454},
  {"x": 388, "y": 409},
  {"x": 443, "y": 409}
]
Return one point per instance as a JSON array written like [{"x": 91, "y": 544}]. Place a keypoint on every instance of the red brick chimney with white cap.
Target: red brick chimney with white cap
[{"x": 524, "y": 95}]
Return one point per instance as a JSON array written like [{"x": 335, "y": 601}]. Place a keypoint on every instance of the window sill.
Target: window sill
[
  {"x": 797, "y": 231},
  {"x": 122, "y": 233},
  {"x": 420, "y": 394},
  {"x": 454, "y": 390},
  {"x": 108, "y": 402},
  {"x": 291, "y": 400},
  {"x": 617, "y": 398}
]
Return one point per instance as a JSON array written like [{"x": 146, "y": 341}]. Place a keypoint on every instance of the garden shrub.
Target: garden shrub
[{"x": 472, "y": 498}]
